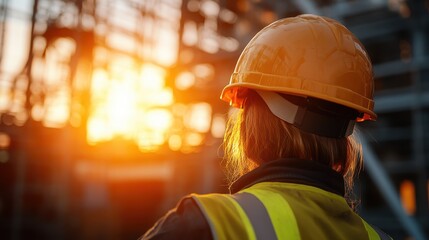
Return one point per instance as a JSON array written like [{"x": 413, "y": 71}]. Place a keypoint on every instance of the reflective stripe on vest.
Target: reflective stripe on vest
[
  {"x": 226, "y": 218},
  {"x": 283, "y": 211},
  {"x": 284, "y": 221},
  {"x": 257, "y": 214}
]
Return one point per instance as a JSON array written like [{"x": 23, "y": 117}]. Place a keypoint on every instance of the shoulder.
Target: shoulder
[{"x": 186, "y": 221}]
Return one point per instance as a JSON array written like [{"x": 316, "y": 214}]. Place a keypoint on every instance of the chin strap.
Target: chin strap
[{"x": 312, "y": 115}]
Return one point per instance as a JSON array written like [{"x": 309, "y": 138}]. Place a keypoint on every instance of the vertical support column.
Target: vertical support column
[
  {"x": 18, "y": 190},
  {"x": 4, "y": 7},
  {"x": 381, "y": 180},
  {"x": 418, "y": 50}
]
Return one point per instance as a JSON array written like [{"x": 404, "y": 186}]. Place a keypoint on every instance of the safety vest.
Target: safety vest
[{"x": 274, "y": 210}]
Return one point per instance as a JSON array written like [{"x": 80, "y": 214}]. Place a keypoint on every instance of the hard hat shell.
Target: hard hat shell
[{"x": 309, "y": 56}]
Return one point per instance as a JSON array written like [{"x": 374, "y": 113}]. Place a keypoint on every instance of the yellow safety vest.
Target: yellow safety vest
[{"x": 274, "y": 210}]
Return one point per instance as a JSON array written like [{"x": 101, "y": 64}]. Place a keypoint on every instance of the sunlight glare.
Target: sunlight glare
[
  {"x": 150, "y": 140},
  {"x": 185, "y": 80},
  {"x": 130, "y": 104},
  {"x": 194, "y": 139},
  {"x": 190, "y": 34},
  {"x": 152, "y": 77},
  {"x": 166, "y": 47},
  {"x": 158, "y": 120},
  {"x": 163, "y": 97},
  {"x": 4, "y": 98},
  {"x": 97, "y": 130},
  {"x": 175, "y": 142},
  {"x": 218, "y": 126},
  {"x": 199, "y": 117},
  {"x": 16, "y": 42},
  {"x": 57, "y": 109},
  {"x": 153, "y": 128},
  {"x": 100, "y": 80},
  {"x": 121, "y": 107},
  {"x": 37, "y": 112}
]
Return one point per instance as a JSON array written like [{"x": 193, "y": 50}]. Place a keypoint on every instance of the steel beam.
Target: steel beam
[{"x": 383, "y": 183}]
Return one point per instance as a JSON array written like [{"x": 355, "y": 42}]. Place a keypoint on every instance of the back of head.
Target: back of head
[{"x": 255, "y": 136}]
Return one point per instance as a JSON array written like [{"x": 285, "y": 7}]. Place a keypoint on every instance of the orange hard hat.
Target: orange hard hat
[{"x": 306, "y": 56}]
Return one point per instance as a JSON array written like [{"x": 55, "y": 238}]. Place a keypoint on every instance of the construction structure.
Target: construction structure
[{"x": 110, "y": 111}]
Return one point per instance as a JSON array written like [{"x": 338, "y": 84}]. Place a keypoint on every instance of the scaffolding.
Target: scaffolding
[{"x": 194, "y": 44}]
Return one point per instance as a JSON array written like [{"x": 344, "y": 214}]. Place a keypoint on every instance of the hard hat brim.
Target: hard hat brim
[{"x": 300, "y": 87}]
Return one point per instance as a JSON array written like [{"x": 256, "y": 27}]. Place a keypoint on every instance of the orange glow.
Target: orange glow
[
  {"x": 37, "y": 112},
  {"x": 166, "y": 48},
  {"x": 152, "y": 77},
  {"x": 57, "y": 110},
  {"x": 97, "y": 131},
  {"x": 199, "y": 117},
  {"x": 218, "y": 126},
  {"x": 185, "y": 80},
  {"x": 140, "y": 107},
  {"x": 16, "y": 42},
  {"x": 117, "y": 84},
  {"x": 190, "y": 34},
  {"x": 150, "y": 140},
  {"x": 152, "y": 132},
  {"x": 4, "y": 98},
  {"x": 194, "y": 139},
  {"x": 100, "y": 80},
  {"x": 20, "y": 118},
  {"x": 121, "y": 107},
  {"x": 408, "y": 196},
  {"x": 204, "y": 71},
  {"x": 158, "y": 120},
  {"x": 163, "y": 97},
  {"x": 4, "y": 140},
  {"x": 130, "y": 104},
  {"x": 175, "y": 142}
]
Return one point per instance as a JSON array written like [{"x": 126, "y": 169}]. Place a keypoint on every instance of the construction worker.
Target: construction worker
[{"x": 299, "y": 87}]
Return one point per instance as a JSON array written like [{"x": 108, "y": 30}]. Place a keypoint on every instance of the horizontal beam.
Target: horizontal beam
[{"x": 398, "y": 101}]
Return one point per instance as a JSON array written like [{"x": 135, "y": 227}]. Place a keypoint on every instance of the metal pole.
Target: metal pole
[
  {"x": 380, "y": 178},
  {"x": 3, "y": 15},
  {"x": 19, "y": 188}
]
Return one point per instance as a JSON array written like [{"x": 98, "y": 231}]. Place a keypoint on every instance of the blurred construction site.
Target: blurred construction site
[{"x": 110, "y": 110}]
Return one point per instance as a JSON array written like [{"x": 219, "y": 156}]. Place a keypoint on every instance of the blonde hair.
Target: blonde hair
[{"x": 255, "y": 136}]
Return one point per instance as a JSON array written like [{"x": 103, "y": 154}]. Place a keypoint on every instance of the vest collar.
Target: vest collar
[{"x": 293, "y": 171}]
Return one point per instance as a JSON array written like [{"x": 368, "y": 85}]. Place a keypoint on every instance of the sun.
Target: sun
[{"x": 133, "y": 104}]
